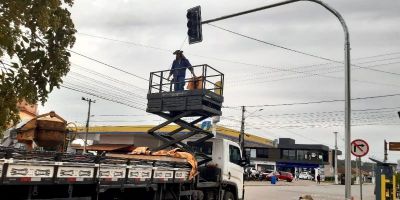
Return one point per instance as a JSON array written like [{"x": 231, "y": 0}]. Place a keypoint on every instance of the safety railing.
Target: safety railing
[{"x": 205, "y": 78}]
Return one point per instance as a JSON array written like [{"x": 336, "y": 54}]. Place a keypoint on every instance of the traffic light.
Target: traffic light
[{"x": 194, "y": 25}]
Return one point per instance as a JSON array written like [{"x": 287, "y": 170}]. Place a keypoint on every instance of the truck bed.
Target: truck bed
[{"x": 38, "y": 168}]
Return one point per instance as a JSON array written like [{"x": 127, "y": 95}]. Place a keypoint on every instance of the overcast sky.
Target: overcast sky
[{"x": 140, "y": 36}]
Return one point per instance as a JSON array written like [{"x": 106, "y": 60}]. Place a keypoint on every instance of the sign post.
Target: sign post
[{"x": 359, "y": 148}]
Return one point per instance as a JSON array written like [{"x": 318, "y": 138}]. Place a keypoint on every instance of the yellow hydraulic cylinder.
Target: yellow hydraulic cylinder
[
  {"x": 383, "y": 187},
  {"x": 394, "y": 187}
]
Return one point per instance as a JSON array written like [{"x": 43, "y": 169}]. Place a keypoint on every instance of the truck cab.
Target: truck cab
[{"x": 224, "y": 170}]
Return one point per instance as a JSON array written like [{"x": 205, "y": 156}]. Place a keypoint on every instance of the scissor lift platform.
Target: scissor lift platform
[{"x": 202, "y": 100}]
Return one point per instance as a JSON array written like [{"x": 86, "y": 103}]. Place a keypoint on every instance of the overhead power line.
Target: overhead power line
[
  {"x": 249, "y": 64},
  {"x": 297, "y": 51},
  {"x": 107, "y": 93},
  {"x": 333, "y": 113},
  {"x": 305, "y": 69},
  {"x": 318, "y": 102},
  {"x": 101, "y": 75},
  {"x": 105, "y": 89},
  {"x": 271, "y": 44},
  {"x": 126, "y": 42},
  {"x": 108, "y": 65},
  {"x": 75, "y": 75},
  {"x": 101, "y": 96}
]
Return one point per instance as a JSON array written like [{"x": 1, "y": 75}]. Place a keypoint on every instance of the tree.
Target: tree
[{"x": 34, "y": 39}]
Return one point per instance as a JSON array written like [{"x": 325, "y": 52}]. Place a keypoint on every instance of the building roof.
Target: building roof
[
  {"x": 142, "y": 129},
  {"x": 289, "y": 143}
]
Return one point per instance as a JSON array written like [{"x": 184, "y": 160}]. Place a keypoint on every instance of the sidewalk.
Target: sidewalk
[
  {"x": 285, "y": 183},
  {"x": 293, "y": 183}
]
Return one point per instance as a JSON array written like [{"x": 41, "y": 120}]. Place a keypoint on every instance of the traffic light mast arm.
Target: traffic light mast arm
[{"x": 347, "y": 77}]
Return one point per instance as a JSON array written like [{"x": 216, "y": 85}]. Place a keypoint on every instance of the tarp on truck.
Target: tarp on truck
[{"x": 174, "y": 155}]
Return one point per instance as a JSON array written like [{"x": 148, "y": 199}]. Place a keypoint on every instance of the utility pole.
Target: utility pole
[
  {"x": 336, "y": 149},
  {"x": 90, "y": 101},
  {"x": 241, "y": 136},
  {"x": 386, "y": 154}
]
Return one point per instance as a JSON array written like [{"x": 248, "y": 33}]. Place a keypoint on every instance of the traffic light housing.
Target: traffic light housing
[{"x": 194, "y": 25}]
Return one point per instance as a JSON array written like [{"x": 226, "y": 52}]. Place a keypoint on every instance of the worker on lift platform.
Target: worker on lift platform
[{"x": 178, "y": 70}]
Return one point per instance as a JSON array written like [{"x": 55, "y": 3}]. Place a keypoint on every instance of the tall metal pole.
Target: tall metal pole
[
  {"x": 241, "y": 136},
  {"x": 347, "y": 77},
  {"x": 347, "y": 112},
  {"x": 336, "y": 149},
  {"x": 90, "y": 101},
  {"x": 385, "y": 152}
]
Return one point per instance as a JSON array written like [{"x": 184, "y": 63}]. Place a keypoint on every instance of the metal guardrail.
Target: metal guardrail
[{"x": 209, "y": 78}]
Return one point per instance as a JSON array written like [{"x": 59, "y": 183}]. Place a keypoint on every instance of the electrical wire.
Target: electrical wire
[
  {"x": 236, "y": 62},
  {"x": 309, "y": 69},
  {"x": 108, "y": 65},
  {"x": 103, "y": 84},
  {"x": 126, "y": 42},
  {"x": 105, "y": 91},
  {"x": 224, "y": 60},
  {"x": 104, "y": 97},
  {"x": 101, "y": 75},
  {"x": 354, "y": 111},
  {"x": 317, "y": 102},
  {"x": 297, "y": 51}
]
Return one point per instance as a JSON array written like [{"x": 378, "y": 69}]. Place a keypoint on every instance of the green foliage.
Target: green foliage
[{"x": 34, "y": 38}]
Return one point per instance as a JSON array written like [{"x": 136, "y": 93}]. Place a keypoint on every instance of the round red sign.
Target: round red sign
[{"x": 359, "y": 148}]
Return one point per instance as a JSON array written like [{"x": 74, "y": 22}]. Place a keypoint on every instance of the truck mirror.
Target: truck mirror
[{"x": 244, "y": 162}]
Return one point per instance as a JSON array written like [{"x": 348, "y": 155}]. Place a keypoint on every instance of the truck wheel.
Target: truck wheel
[{"x": 229, "y": 196}]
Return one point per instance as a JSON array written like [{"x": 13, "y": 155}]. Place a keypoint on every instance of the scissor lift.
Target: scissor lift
[{"x": 185, "y": 108}]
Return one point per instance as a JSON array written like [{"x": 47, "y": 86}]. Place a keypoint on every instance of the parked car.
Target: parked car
[
  {"x": 267, "y": 175},
  {"x": 285, "y": 176},
  {"x": 305, "y": 176}
]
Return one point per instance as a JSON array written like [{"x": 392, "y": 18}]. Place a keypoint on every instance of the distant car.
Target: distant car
[
  {"x": 267, "y": 175},
  {"x": 285, "y": 176},
  {"x": 305, "y": 176}
]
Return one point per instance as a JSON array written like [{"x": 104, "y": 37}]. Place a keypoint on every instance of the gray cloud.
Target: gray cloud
[{"x": 303, "y": 26}]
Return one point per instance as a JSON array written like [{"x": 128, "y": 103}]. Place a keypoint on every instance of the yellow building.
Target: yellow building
[{"x": 138, "y": 136}]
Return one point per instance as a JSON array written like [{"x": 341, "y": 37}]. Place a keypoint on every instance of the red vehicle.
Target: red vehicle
[
  {"x": 285, "y": 176},
  {"x": 267, "y": 175}
]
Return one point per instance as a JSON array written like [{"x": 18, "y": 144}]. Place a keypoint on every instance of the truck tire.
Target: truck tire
[{"x": 229, "y": 196}]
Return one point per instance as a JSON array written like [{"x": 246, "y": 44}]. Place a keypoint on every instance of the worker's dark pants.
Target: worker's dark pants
[{"x": 179, "y": 83}]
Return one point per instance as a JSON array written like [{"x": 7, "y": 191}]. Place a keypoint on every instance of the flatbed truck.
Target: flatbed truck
[
  {"x": 218, "y": 168},
  {"x": 52, "y": 175}
]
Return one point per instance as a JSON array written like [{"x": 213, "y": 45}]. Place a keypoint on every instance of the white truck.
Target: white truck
[{"x": 52, "y": 175}]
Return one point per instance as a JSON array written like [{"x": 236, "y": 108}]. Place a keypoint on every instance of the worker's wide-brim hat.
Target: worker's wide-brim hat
[{"x": 178, "y": 52}]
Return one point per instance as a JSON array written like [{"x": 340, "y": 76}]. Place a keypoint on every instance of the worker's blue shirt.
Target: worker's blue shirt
[{"x": 179, "y": 67}]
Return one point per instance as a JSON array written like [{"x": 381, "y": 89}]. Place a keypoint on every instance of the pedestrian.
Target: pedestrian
[
  {"x": 319, "y": 179},
  {"x": 178, "y": 70}
]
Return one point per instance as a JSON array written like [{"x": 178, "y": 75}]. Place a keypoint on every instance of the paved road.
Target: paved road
[{"x": 288, "y": 191}]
